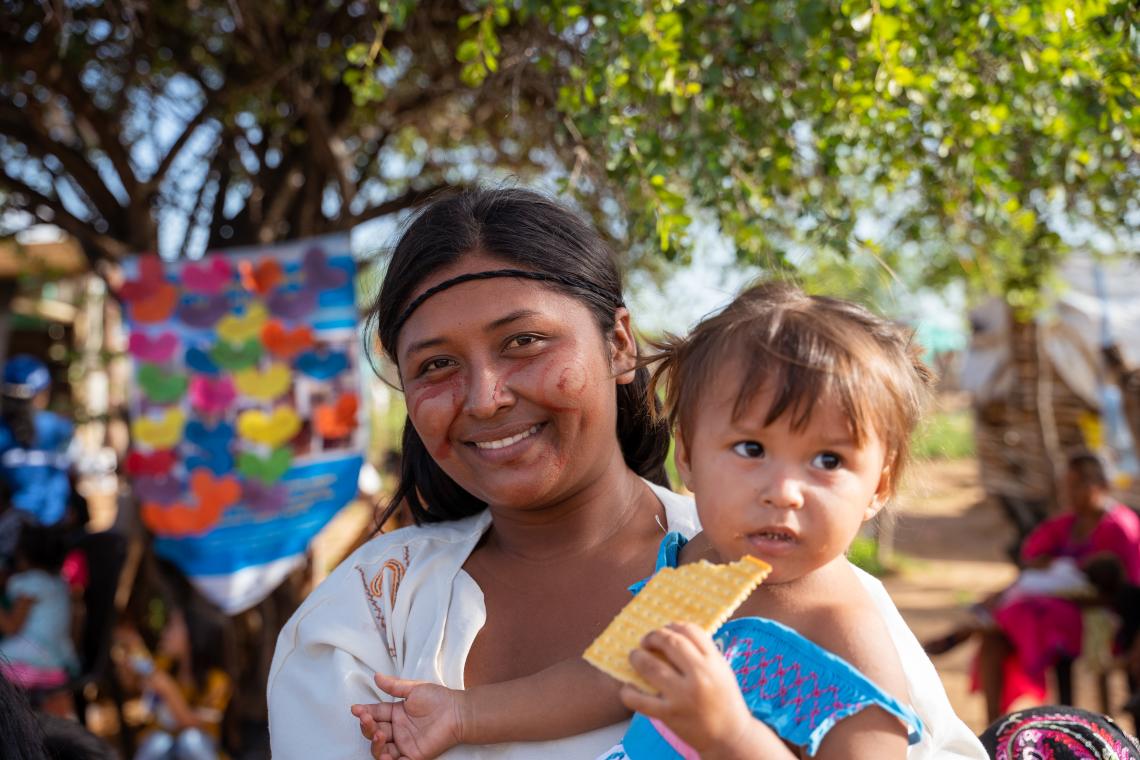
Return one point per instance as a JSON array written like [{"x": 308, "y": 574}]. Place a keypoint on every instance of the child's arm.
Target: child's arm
[
  {"x": 700, "y": 701},
  {"x": 12, "y": 620},
  {"x": 568, "y": 698}
]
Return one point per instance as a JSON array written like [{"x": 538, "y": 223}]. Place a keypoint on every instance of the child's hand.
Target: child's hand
[
  {"x": 699, "y": 697},
  {"x": 428, "y": 722}
]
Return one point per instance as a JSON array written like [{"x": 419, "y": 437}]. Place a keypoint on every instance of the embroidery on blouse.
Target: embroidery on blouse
[{"x": 374, "y": 589}]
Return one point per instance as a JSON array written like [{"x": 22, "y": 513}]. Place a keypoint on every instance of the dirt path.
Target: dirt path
[{"x": 954, "y": 544}]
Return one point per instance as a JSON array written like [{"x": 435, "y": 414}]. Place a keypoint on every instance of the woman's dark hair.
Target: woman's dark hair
[
  {"x": 21, "y": 737},
  {"x": 44, "y": 546},
  {"x": 1090, "y": 469},
  {"x": 528, "y": 231},
  {"x": 19, "y": 416}
]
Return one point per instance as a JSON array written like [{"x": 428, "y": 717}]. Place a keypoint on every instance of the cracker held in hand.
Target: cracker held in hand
[{"x": 700, "y": 593}]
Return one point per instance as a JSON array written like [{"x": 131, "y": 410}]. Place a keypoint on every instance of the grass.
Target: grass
[
  {"x": 945, "y": 435},
  {"x": 864, "y": 554}
]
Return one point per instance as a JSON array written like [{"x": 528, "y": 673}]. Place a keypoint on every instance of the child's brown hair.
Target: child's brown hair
[{"x": 804, "y": 348}]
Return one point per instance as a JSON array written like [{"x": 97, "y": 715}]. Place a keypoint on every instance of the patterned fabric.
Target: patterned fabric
[
  {"x": 1058, "y": 733},
  {"x": 798, "y": 688}
]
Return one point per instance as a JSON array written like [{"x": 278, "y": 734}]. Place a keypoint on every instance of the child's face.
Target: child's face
[{"x": 794, "y": 498}]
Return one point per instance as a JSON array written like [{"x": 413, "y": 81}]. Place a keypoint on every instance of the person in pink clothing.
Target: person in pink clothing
[{"x": 1033, "y": 631}]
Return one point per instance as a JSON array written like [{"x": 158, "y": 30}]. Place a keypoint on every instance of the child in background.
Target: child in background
[
  {"x": 793, "y": 416},
  {"x": 36, "y": 651}
]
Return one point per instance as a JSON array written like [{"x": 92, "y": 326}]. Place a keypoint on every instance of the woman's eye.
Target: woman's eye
[
  {"x": 519, "y": 341},
  {"x": 749, "y": 449},
  {"x": 827, "y": 460},
  {"x": 434, "y": 365}
]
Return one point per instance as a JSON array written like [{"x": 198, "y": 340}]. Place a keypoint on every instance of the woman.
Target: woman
[
  {"x": 34, "y": 461},
  {"x": 532, "y": 466},
  {"x": 1031, "y": 632}
]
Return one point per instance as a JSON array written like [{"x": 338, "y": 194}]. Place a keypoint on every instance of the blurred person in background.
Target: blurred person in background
[{"x": 34, "y": 443}]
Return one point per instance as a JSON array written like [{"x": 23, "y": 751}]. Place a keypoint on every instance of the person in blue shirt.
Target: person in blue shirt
[{"x": 34, "y": 442}]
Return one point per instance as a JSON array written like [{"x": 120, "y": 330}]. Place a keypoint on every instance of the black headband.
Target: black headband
[{"x": 567, "y": 280}]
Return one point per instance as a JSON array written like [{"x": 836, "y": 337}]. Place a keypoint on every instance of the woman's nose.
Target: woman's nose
[{"x": 487, "y": 392}]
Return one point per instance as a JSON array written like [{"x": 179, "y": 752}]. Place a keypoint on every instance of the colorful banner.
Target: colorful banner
[{"x": 246, "y": 432}]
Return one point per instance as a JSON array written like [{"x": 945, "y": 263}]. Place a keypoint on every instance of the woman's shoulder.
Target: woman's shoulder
[{"x": 680, "y": 511}]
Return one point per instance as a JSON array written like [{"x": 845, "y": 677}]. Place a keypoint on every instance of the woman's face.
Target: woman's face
[{"x": 512, "y": 386}]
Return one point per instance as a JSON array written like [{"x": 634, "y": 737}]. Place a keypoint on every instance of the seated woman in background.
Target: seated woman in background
[
  {"x": 1035, "y": 623},
  {"x": 187, "y": 683}
]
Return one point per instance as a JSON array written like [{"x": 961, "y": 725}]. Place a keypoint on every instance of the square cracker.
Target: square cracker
[{"x": 700, "y": 593}]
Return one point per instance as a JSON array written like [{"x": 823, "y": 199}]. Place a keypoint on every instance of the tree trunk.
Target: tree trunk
[{"x": 7, "y": 293}]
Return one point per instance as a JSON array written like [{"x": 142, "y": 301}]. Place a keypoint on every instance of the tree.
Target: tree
[
  {"x": 228, "y": 123},
  {"x": 976, "y": 129}
]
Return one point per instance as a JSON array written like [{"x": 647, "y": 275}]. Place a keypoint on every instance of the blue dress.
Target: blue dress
[
  {"x": 797, "y": 688},
  {"x": 37, "y": 475}
]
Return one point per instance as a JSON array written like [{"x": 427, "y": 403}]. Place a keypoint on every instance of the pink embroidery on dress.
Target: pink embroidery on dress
[{"x": 375, "y": 591}]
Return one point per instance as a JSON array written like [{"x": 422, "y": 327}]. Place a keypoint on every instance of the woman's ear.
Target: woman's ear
[{"x": 623, "y": 348}]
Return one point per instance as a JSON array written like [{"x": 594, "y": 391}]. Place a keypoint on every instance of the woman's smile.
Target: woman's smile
[{"x": 510, "y": 387}]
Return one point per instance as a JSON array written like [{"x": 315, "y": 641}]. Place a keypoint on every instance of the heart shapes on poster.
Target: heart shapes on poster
[
  {"x": 157, "y": 307},
  {"x": 268, "y": 469},
  {"x": 210, "y": 395},
  {"x": 321, "y": 365},
  {"x": 285, "y": 343},
  {"x": 202, "y": 312},
  {"x": 209, "y": 438},
  {"x": 199, "y": 361},
  {"x": 261, "y": 277},
  {"x": 158, "y": 349},
  {"x": 213, "y": 496},
  {"x": 319, "y": 274},
  {"x": 337, "y": 420},
  {"x": 271, "y": 430},
  {"x": 293, "y": 304},
  {"x": 159, "y": 385},
  {"x": 163, "y": 432},
  {"x": 155, "y": 463},
  {"x": 208, "y": 277},
  {"x": 267, "y": 384},
  {"x": 239, "y": 328},
  {"x": 231, "y": 357},
  {"x": 150, "y": 276}
]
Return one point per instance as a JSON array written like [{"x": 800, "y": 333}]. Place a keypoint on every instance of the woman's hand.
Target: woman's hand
[
  {"x": 428, "y": 722},
  {"x": 699, "y": 698}
]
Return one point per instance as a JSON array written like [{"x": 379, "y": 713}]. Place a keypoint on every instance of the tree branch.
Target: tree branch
[
  {"x": 177, "y": 146},
  {"x": 23, "y": 197}
]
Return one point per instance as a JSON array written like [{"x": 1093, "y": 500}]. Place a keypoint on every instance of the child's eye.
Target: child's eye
[
  {"x": 827, "y": 460},
  {"x": 749, "y": 449}
]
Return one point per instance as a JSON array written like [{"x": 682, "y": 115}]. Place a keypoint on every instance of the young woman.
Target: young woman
[{"x": 532, "y": 466}]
